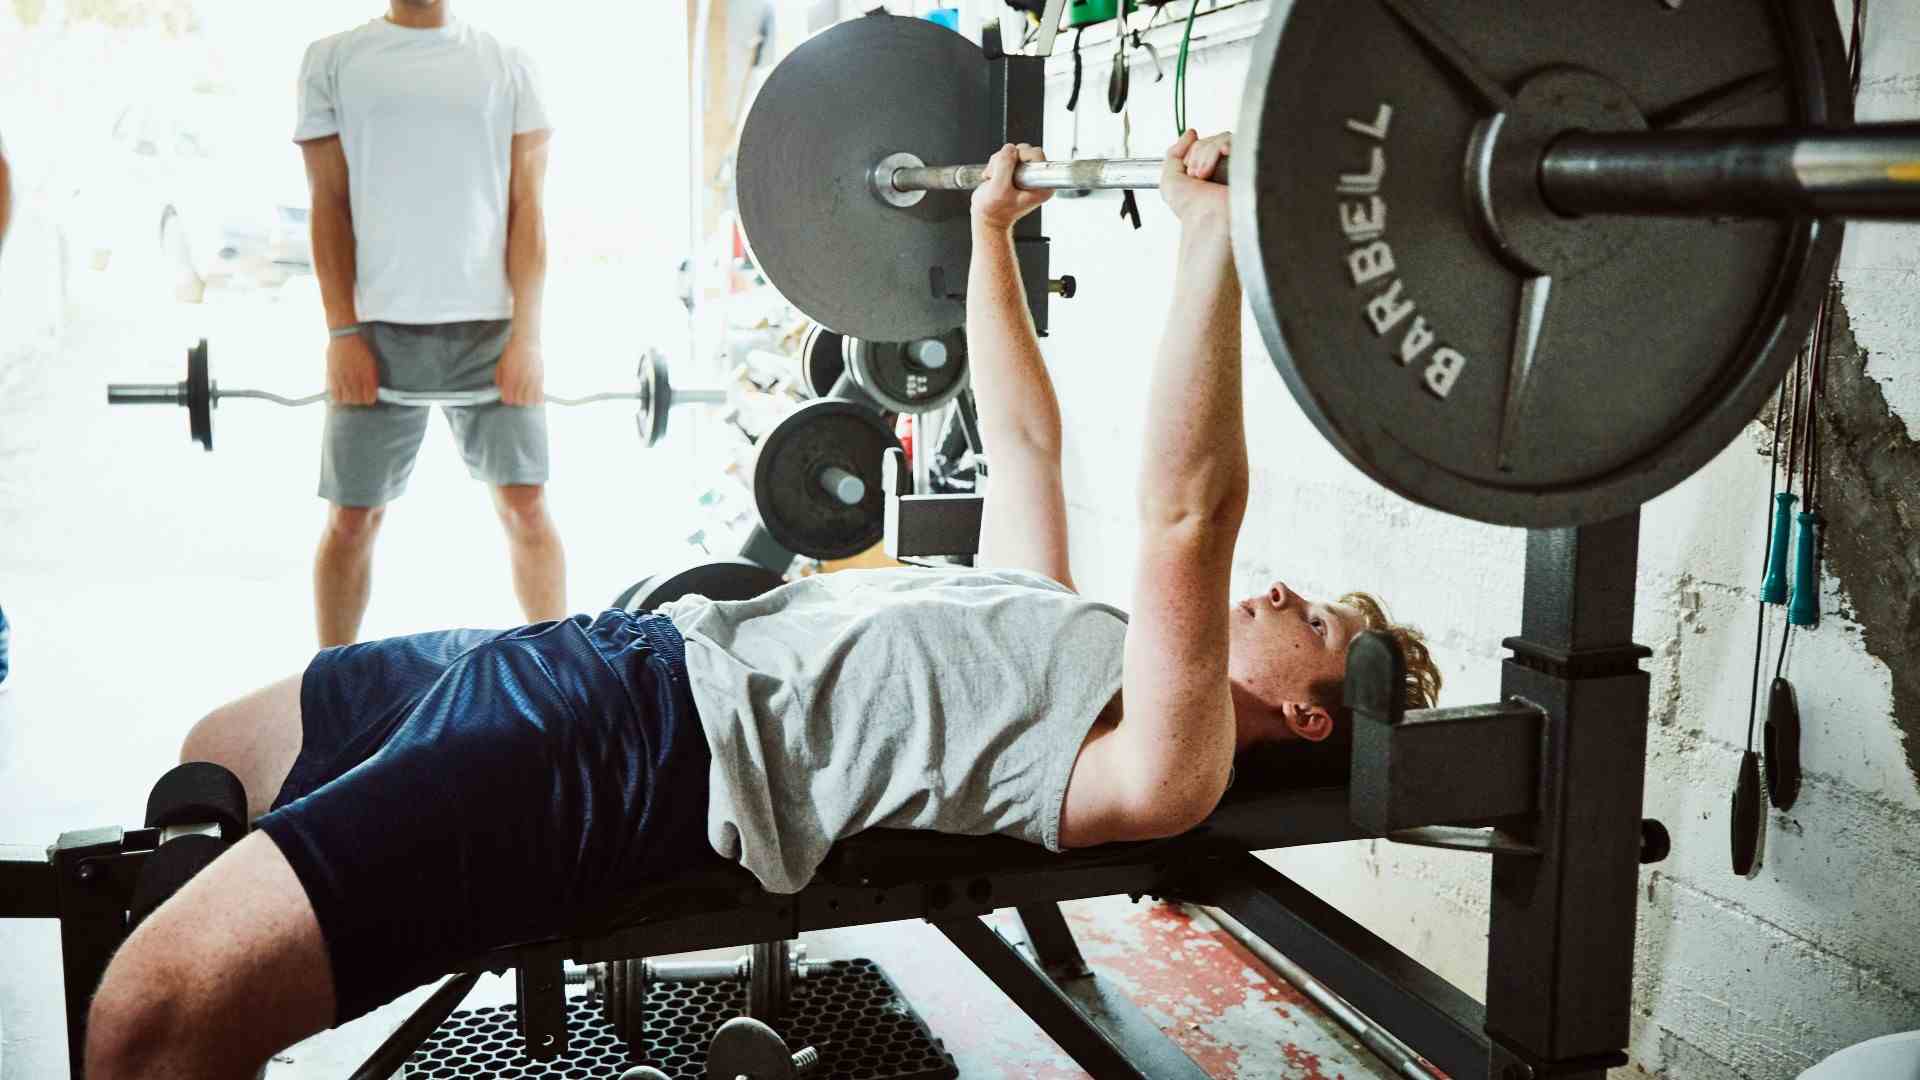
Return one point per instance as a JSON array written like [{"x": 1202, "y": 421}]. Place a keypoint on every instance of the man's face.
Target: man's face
[{"x": 1281, "y": 644}]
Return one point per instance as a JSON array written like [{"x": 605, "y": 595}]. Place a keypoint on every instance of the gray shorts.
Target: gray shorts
[{"x": 367, "y": 451}]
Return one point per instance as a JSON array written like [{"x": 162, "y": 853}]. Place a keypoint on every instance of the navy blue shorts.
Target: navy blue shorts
[{"x": 472, "y": 789}]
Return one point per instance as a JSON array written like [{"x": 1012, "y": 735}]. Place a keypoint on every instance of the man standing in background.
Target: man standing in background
[{"x": 426, "y": 151}]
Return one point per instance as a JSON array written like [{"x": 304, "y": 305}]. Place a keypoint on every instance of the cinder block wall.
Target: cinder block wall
[{"x": 1736, "y": 978}]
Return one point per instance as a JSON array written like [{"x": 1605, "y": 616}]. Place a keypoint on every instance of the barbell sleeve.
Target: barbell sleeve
[
  {"x": 1867, "y": 172},
  {"x": 146, "y": 393},
  {"x": 843, "y": 485}
]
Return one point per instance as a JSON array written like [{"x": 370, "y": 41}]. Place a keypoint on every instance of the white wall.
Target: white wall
[{"x": 1747, "y": 978}]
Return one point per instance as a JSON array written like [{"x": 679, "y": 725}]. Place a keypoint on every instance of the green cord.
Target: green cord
[{"x": 1180, "y": 75}]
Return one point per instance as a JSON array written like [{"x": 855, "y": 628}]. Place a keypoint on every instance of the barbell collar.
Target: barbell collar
[
  {"x": 1087, "y": 173},
  {"x": 146, "y": 393},
  {"x": 1863, "y": 173}
]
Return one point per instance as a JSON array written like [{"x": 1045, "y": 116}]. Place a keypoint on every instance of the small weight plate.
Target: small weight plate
[
  {"x": 893, "y": 375},
  {"x": 827, "y": 114},
  {"x": 770, "y": 983},
  {"x": 821, "y": 360},
  {"x": 613, "y": 997},
  {"x": 1482, "y": 356},
  {"x": 199, "y": 396},
  {"x": 794, "y": 506},
  {"x": 632, "y": 1024},
  {"x": 655, "y": 400},
  {"x": 746, "y": 1046}
]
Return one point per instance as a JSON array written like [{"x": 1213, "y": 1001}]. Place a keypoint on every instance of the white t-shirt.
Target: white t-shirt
[{"x": 426, "y": 119}]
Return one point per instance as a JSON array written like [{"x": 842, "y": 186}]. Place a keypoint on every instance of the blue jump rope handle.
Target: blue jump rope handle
[
  {"x": 1773, "y": 590},
  {"x": 1804, "y": 608}
]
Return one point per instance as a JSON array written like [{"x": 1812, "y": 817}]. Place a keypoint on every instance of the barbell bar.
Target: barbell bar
[
  {"x": 199, "y": 394},
  {"x": 1868, "y": 172},
  {"x": 1532, "y": 262}
]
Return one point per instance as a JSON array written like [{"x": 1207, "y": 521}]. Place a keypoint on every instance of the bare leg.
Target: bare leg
[
  {"x": 539, "y": 562},
  {"x": 343, "y": 572},
  {"x": 224, "y": 975},
  {"x": 255, "y": 737}
]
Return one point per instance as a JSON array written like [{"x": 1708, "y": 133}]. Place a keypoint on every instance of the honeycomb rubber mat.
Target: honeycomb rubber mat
[{"x": 848, "y": 1010}]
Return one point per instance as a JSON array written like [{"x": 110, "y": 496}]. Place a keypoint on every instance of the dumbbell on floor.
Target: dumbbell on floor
[
  {"x": 769, "y": 971},
  {"x": 744, "y": 1049},
  {"x": 198, "y": 393}
]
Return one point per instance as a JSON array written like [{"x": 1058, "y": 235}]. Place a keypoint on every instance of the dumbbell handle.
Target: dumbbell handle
[{"x": 685, "y": 971}]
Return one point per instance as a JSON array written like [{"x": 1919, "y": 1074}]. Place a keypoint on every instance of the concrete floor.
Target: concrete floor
[{"x": 148, "y": 581}]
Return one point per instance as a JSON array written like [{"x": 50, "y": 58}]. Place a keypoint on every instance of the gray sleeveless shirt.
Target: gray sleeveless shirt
[{"x": 950, "y": 700}]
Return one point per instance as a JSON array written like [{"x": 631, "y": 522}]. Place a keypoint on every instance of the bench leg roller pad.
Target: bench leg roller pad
[{"x": 847, "y": 1008}]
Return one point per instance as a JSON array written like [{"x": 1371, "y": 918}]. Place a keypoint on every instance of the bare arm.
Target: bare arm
[
  {"x": 1167, "y": 763},
  {"x": 331, "y": 228},
  {"x": 1025, "y": 520},
  {"x": 522, "y": 370},
  {"x": 352, "y": 374}
]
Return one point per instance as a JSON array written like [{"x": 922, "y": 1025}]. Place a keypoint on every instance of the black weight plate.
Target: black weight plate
[
  {"x": 892, "y": 376},
  {"x": 198, "y": 793},
  {"x": 794, "y": 507},
  {"x": 829, "y": 112},
  {"x": 624, "y": 601},
  {"x": 632, "y": 1021},
  {"x": 821, "y": 361},
  {"x": 199, "y": 396},
  {"x": 613, "y": 997},
  {"x": 770, "y": 981},
  {"x": 1660, "y": 338},
  {"x": 655, "y": 400},
  {"x": 722, "y": 579}
]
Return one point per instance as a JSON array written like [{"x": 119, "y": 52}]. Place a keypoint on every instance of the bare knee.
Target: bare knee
[
  {"x": 138, "y": 1017},
  {"x": 354, "y": 526},
  {"x": 256, "y": 737},
  {"x": 523, "y": 509},
  {"x": 229, "y": 971}
]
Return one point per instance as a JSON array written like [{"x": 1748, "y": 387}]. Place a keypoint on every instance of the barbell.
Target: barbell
[
  {"x": 1532, "y": 262},
  {"x": 198, "y": 393}
]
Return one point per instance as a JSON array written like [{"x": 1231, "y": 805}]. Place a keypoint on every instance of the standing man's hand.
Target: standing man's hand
[
  {"x": 522, "y": 373},
  {"x": 997, "y": 203},
  {"x": 1186, "y": 178},
  {"x": 353, "y": 375}
]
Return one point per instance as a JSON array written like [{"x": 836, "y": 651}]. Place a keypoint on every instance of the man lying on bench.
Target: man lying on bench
[{"x": 427, "y": 798}]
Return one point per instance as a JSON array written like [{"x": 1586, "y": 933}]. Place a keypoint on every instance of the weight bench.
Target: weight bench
[
  {"x": 887, "y": 875},
  {"x": 85, "y": 880}
]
